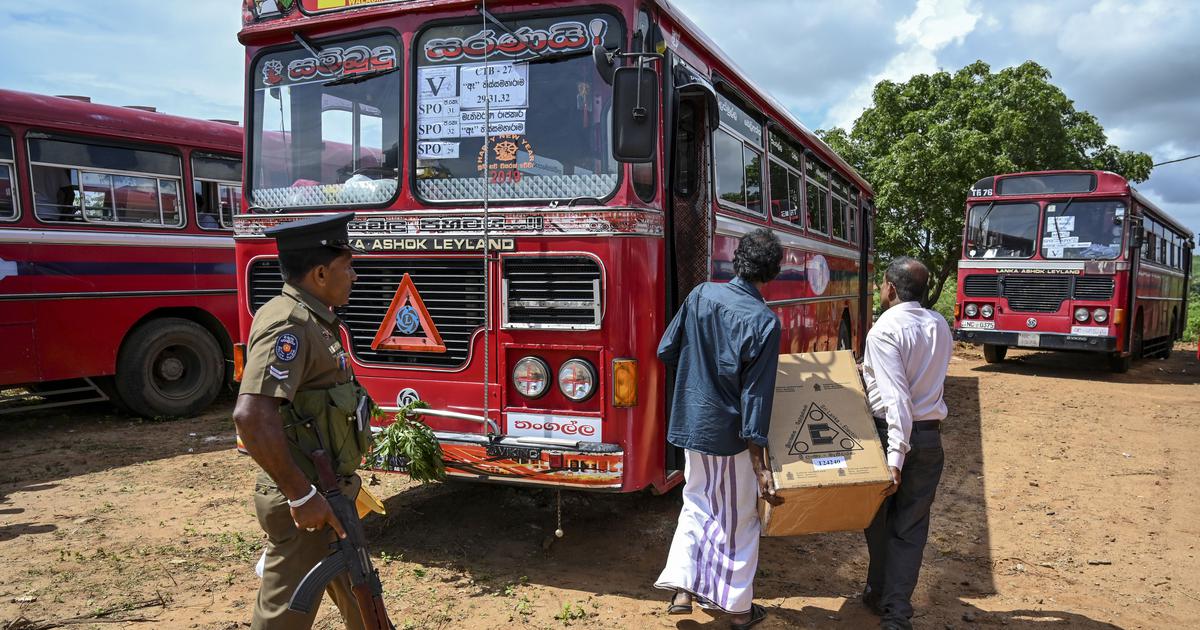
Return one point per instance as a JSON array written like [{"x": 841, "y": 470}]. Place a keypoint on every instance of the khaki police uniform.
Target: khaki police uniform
[{"x": 294, "y": 352}]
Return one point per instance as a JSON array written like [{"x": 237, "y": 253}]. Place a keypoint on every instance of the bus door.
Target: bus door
[
  {"x": 690, "y": 220},
  {"x": 866, "y": 284}
]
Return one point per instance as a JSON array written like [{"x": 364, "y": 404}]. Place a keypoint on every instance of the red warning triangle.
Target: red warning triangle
[{"x": 405, "y": 316}]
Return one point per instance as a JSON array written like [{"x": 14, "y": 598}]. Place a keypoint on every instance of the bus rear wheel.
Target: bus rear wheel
[
  {"x": 169, "y": 367},
  {"x": 993, "y": 353}
]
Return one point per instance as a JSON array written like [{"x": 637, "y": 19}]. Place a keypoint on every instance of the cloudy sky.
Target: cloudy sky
[{"x": 1135, "y": 65}]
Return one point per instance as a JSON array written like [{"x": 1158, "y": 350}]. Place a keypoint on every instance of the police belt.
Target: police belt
[{"x": 917, "y": 425}]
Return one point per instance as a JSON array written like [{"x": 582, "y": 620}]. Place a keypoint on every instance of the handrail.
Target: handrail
[{"x": 493, "y": 429}]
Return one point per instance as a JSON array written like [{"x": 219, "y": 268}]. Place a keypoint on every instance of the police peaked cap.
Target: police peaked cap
[{"x": 320, "y": 231}]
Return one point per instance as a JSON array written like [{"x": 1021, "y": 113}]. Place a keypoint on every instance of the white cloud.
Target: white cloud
[{"x": 933, "y": 25}]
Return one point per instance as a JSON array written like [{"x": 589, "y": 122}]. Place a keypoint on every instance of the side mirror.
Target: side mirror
[
  {"x": 1137, "y": 239},
  {"x": 635, "y": 113}
]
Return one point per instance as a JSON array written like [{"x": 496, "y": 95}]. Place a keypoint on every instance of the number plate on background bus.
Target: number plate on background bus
[
  {"x": 1033, "y": 340},
  {"x": 971, "y": 324}
]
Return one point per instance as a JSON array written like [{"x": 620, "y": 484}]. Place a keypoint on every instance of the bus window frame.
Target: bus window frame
[
  {"x": 817, "y": 166},
  {"x": 14, "y": 176},
  {"x": 101, "y": 141},
  {"x": 248, "y": 154},
  {"x": 410, "y": 118},
  {"x": 790, "y": 170},
  {"x": 221, "y": 183},
  {"x": 837, "y": 182}
]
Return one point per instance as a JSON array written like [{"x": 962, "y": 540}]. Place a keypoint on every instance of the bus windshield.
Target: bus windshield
[
  {"x": 1087, "y": 230},
  {"x": 326, "y": 128},
  {"x": 1001, "y": 230},
  {"x": 538, "y": 95}
]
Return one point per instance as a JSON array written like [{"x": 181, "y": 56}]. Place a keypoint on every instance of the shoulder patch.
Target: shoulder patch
[{"x": 286, "y": 347}]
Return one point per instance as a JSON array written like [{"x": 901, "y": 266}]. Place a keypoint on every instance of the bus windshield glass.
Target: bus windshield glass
[
  {"x": 1002, "y": 230},
  {"x": 1083, "y": 230},
  {"x": 534, "y": 90},
  {"x": 326, "y": 128}
]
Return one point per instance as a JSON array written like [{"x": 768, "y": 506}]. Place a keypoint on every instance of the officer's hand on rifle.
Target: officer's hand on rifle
[{"x": 315, "y": 514}]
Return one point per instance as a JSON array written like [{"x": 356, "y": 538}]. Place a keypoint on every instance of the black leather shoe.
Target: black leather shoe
[
  {"x": 871, "y": 599},
  {"x": 895, "y": 624}
]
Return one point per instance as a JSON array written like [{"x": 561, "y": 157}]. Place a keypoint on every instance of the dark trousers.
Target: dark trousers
[{"x": 896, "y": 538}]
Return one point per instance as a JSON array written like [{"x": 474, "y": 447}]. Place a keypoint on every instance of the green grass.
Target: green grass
[{"x": 945, "y": 303}]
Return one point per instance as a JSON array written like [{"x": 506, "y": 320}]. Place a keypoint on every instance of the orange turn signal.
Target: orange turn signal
[
  {"x": 1118, "y": 316},
  {"x": 239, "y": 361},
  {"x": 624, "y": 380},
  {"x": 957, "y": 310}
]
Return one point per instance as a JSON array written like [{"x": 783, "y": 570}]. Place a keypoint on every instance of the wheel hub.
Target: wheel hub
[{"x": 171, "y": 368}]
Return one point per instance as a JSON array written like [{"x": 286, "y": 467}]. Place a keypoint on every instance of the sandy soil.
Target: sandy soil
[{"x": 1071, "y": 498}]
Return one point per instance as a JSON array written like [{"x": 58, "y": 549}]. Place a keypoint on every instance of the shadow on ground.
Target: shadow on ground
[{"x": 1181, "y": 368}]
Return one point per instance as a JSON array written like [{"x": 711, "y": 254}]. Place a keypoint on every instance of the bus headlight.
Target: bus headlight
[
  {"x": 972, "y": 310},
  {"x": 987, "y": 311},
  {"x": 1100, "y": 315},
  {"x": 531, "y": 377},
  {"x": 577, "y": 379},
  {"x": 1081, "y": 314}
]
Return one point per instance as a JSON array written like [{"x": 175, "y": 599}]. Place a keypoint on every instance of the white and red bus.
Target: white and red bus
[
  {"x": 537, "y": 186},
  {"x": 1071, "y": 260},
  {"x": 116, "y": 257}
]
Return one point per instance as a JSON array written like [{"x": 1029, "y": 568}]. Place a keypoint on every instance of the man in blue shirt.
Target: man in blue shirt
[{"x": 724, "y": 346}]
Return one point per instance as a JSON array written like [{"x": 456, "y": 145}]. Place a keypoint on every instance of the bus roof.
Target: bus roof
[
  {"x": 1104, "y": 183},
  {"x": 257, "y": 32},
  {"x": 70, "y": 114}
]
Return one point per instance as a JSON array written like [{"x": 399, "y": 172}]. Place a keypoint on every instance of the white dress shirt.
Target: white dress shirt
[{"x": 904, "y": 367}]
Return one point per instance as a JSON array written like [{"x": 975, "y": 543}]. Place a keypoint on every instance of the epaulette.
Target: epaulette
[{"x": 300, "y": 314}]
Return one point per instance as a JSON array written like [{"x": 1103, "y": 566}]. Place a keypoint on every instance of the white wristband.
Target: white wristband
[{"x": 301, "y": 501}]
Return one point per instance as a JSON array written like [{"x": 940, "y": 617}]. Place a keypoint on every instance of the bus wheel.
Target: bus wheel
[
  {"x": 169, "y": 367},
  {"x": 1119, "y": 364},
  {"x": 993, "y": 353},
  {"x": 844, "y": 342}
]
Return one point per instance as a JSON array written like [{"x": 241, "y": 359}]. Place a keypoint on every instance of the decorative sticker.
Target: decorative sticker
[
  {"x": 286, "y": 347},
  {"x": 334, "y": 62},
  {"x": 817, "y": 272},
  {"x": 505, "y": 153},
  {"x": 568, "y": 35}
]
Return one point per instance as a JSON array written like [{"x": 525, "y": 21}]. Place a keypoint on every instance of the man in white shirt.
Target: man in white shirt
[{"x": 904, "y": 367}]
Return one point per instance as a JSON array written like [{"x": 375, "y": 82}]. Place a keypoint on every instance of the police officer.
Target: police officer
[{"x": 298, "y": 394}]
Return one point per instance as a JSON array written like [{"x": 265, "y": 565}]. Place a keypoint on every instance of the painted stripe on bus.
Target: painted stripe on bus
[
  {"x": 112, "y": 294},
  {"x": 79, "y": 237},
  {"x": 104, "y": 268},
  {"x": 729, "y": 226}
]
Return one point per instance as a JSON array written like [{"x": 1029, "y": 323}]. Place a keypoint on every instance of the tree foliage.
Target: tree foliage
[{"x": 923, "y": 143}]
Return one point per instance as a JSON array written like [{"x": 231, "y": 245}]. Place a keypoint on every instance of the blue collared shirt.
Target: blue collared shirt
[{"x": 724, "y": 344}]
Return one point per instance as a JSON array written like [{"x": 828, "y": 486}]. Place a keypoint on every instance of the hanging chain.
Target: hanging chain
[{"x": 558, "y": 532}]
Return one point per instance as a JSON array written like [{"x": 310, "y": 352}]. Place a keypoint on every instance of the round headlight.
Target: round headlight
[
  {"x": 1100, "y": 315},
  {"x": 987, "y": 311},
  {"x": 972, "y": 310},
  {"x": 531, "y": 377},
  {"x": 1081, "y": 314},
  {"x": 577, "y": 379}
]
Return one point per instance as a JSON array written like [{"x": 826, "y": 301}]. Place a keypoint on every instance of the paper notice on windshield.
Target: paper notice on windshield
[
  {"x": 439, "y": 82},
  {"x": 502, "y": 85},
  {"x": 1054, "y": 252},
  {"x": 437, "y": 150},
  {"x": 476, "y": 130},
  {"x": 437, "y": 110},
  {"x": 1062, "y": 224}
]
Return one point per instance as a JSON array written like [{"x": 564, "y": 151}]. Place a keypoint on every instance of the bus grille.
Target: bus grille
[
  {"x": 452, "y": 290},
  {"x": 1093, "y": 288},
  {"x": 552, "y": 292},
  {"x": 1036, "y": 294},
  {"x": 981, "y": 286}
]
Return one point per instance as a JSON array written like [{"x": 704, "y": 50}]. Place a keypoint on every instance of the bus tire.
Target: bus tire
[
  {"x": 993, "y": 353},
  {"x": 844, "y": 342},
  {"x": 169, "y": 367},
  {"x": 1119, "y": 364}
]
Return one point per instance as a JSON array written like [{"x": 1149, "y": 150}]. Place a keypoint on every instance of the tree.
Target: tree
[{"x": 923, "y": 143}]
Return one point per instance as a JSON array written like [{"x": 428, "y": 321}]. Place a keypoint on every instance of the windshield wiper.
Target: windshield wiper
[
  {"x": 556, "y": 57},
  {"x": 359, "y": 77},
  {"x": 1057, "y": 234},
  {"x": 504, "y": 27}
]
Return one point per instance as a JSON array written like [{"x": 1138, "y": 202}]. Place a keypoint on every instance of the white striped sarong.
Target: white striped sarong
[{"x": 714, "y": 554}]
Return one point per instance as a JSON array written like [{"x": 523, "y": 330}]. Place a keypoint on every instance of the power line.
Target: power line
[{"x": 1190, "y": 157}]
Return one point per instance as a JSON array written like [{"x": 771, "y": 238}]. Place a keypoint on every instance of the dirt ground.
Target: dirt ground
[{"x": 1071, "y": 498}]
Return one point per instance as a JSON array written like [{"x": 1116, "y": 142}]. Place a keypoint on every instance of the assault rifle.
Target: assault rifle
[{"x": 349, "y": 555}]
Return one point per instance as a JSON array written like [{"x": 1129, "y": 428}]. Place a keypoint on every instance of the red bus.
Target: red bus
[
  {"x": 1071, "y": 260},
  {"x": 116, "y": 253},
  {"x": 519, "y": 286}
]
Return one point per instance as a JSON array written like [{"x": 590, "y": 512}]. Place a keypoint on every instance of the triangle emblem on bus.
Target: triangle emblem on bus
[{"x": 406, "y": 317}]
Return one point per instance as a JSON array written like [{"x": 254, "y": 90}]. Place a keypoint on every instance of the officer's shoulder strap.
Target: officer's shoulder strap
[{"x": 299, "y": 314}]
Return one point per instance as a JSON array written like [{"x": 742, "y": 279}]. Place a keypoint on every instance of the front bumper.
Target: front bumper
[{"x": 1044, "y": 341}]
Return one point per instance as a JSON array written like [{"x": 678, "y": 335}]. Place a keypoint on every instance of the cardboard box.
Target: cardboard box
[{"x": 824, "y": 450}]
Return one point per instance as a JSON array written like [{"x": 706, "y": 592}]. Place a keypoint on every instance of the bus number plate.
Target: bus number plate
[
  {"x": 502, "y": 451},
  {"x": 1029, "y": 340},
  {"x": 976, "y": 324}
]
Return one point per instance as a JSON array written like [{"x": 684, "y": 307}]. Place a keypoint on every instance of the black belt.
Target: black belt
[{"x": 918, "y": 425}]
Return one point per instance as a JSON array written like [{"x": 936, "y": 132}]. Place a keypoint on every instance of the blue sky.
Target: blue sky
[{"x": 1135, "y": 65}]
